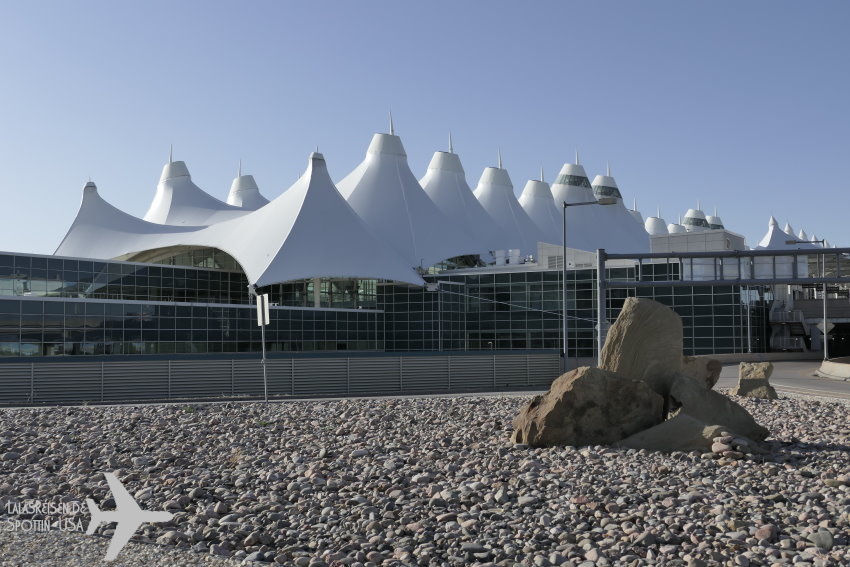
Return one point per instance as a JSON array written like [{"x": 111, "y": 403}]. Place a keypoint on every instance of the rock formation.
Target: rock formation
[
  {"x": 753, "y": 381},
  {"x": 588, "y": 406},
  {"x": 645, "y": 343},
  {"x": 704, "y": 370},
  {"x": 641, "y": 377}
]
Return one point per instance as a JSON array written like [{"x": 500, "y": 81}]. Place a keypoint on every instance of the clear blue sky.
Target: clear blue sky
[{"x": 740, "y": 105}]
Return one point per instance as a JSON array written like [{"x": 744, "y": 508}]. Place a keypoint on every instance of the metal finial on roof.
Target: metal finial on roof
[
  {"x": 699, "y": 207},
  {"x": 392, "y": 126},
  {"x": 608, "y": 169},
  {"x": 170, "y": 153},
  {"x": 239, "y": 171},
  {"x": 577, "y": 162},
  {"x": 541, "y": 173},
  {"x": 451, "y": 143},
  {"x": 658, "y": 212},
  {"x": 634, "y": 204},
  {"x": 500, "y": 158}
]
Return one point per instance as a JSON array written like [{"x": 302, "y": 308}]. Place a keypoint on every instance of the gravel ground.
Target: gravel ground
[{"x": 422, "y": 481}]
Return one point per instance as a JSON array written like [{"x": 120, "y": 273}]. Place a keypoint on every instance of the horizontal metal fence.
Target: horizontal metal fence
[{"x": 173, "y": 380}]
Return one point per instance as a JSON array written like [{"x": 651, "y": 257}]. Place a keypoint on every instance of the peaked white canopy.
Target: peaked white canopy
[
  {"x": 655, "y": 226},
  {"x": 495, "y": 192},
  {"x": 308, "y": 231},
  {"x": 386, "y": 195},
  {"x": 537, "y": 201},
  {"x": 630, "y": 235},
  {"x": 445, "y": 183},
  {"x": 714, "y": 221},
  {"x": 245, "y": 194},
  {"x": 178, "y": 201},
  {"x": 596, "y": 226},
  {"x": 776, "y": 239},
  {"x": 695, "y": 220}
]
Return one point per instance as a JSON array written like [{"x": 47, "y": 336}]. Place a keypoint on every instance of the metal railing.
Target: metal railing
[
  {"x": 793, "y": 316},
  {"x": 47, "y": 382},
  {"x": 787, "y": 343}
]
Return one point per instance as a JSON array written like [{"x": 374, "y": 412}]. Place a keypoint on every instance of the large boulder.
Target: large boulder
[
  {"x": 588, "y": 406},
  {"x": 645, "y": 343},
  {"x": 753, "y": 381},
  {"x": 712, "y": 407},
  {"x": 679, "y": 433},
  {"x": 704, "y": 370}
]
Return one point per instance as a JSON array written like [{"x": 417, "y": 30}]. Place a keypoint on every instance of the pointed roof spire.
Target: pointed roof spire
[
  {"x": 170, "y": 153},
  {"x": 608, "y": 169},
  {"x": 392, "y": 126},
  {"x": 500, "y": 158},
  {"x": 577, "y": 162},
  {"x": 715, "y": 211},
  {"x": 451, "y": 143},
  {"x": 239, "y": 171},
  {"x": 658, "y": 212},
  {"x": 634, "y": 204},
  {"x": 699, "y": 207},
  {"x": 541, "y": 174}
]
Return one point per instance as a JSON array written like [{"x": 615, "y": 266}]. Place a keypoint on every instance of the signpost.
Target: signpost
[{"x": 262, "y": 321}]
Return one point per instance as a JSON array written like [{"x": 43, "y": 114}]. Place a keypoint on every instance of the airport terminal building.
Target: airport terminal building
[{"x": 376, "y": 262}]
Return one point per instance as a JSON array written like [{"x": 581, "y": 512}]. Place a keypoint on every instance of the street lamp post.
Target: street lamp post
[{"x": 600, "y": 201}]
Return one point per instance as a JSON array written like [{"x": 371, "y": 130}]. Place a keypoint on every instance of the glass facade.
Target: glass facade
[
  {"x": 605, "y": 191},
  {"x": 573, "y": 180},
  {"x": 53, "y": 306}
]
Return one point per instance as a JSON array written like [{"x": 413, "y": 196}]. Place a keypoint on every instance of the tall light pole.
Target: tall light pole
[{"x": 600, "y": 201}]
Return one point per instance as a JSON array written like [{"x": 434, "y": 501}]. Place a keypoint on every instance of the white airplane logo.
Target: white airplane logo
[{"x": 127, "y": 513}]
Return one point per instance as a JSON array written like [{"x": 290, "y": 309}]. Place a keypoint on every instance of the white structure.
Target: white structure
[
  {"x": 445, "y": 183},
  {"x": 714, "y": 221},
  {"x": 244, "y": 193},
  {"x": 636, "y": 213},
  {"x": 656, "y": 226},
  {"x": 537, "y": 201},
  {"x": 777, "y": 239},
  {"x": 385, "y": 193},
  {"x": 495, "y": 192},
  {"x": 308, "y": 231},
  {"x": 591, "y": 227},
  {"x": 616, "y": 218},
  {"x": 178, "y": 201},
  {"x": 695, "y": 220}
]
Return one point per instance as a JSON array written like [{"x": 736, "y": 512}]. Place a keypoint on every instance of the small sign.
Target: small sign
[
  {"x": 829, "y": 326},
  {"x": 262, "y": 309}
]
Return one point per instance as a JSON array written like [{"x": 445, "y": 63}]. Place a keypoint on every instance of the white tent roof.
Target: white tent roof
[
  {"x": 655, "y": 226},
  {"x": 695, "y": 220},
  {"x": 802, "y": 235},
  {"x": 495, "y": 192},
  {"x": 775, "y": 239},
  {"x": 595, "y": 226},
  {"x": 631, "y": 236},
  {"x": 445, "y": 183},
  {"x": 308, "y": 231},
  {"x": 245, "y": 194},
  {"x": 789, "y": 230},
  {"x": 178, "y": 201},
  {"x": 537, "y": 201},
  {"x": 384, "y": 192}
]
